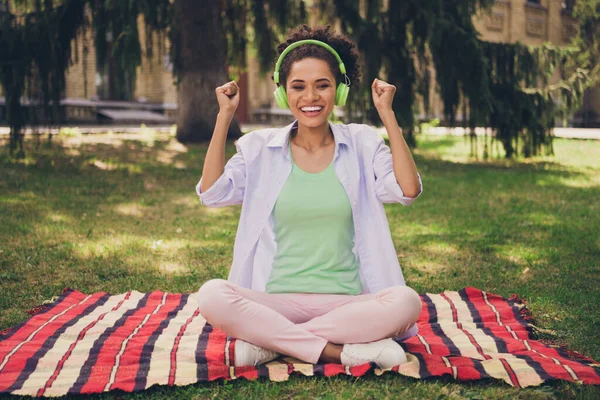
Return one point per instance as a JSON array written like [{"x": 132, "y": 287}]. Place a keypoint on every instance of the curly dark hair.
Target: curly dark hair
[{"x": 345, "y": 47}]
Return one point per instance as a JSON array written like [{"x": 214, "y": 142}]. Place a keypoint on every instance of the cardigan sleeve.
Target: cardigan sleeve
[
  {"x": 229, "y": 189},
  {"x": 386, "y": 186}
]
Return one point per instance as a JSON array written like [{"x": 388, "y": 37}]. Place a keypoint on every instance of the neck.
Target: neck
[{"x": 312, "y": 138}]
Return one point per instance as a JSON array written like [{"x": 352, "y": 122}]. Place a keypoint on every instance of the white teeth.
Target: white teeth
[{"x": 311, "y": 108}]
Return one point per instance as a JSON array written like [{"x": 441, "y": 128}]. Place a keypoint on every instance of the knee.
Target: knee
[
  {"x": 413, "y": 300},
  {"x": 210, "y": 296},
  {"x": 407, "y": 302}
]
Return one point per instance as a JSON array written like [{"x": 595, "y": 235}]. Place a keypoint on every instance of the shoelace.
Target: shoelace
[
  {"x": 259, "y": 353},
  {"x": 370, "y": 359}
]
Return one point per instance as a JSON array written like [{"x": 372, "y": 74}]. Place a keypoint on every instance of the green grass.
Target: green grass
[{"x": 119, "y": 212}]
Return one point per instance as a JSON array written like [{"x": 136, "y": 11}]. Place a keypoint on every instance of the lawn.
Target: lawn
[{"x": 119, "y": 212}]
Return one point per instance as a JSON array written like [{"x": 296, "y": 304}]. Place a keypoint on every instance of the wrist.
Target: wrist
[
  {"x": 386, "y": 115},
  {"x": 225, "y": 115}
]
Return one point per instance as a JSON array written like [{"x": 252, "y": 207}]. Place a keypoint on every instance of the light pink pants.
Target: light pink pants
[{"x": 301, "y": 324}]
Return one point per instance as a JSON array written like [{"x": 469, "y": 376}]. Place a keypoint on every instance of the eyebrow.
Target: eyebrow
[{"x": 300, "y": 80}]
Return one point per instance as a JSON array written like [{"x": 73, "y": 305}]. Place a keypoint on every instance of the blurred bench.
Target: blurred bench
[{"x": 272, "y": 115}]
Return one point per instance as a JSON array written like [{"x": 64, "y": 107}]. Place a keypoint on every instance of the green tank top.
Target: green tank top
[{"x": 314, "y": 232}]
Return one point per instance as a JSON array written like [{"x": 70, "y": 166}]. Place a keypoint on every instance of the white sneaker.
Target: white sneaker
[
  {"x": 248, "y": 354},
  {"x": 386, "y": 353}
]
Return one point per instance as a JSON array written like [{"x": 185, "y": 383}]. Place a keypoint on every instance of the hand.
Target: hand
[
  {"x": 383, "y": 94},
  {"x": 228, "y": 97}
]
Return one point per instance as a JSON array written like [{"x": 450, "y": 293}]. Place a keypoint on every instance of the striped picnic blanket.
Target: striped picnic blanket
[{"x": 94, "y": 343}]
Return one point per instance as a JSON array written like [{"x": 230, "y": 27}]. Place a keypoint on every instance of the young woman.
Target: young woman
[{"x": 315, "y": 274}]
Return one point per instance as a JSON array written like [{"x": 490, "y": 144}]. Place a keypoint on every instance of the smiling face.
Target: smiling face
[{"x": 311, "y": 91}]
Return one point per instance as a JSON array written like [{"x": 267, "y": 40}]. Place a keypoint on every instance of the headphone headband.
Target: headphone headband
[{"x": 306, "y": 41}]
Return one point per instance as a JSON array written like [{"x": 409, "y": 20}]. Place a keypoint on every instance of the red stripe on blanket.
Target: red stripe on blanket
[
  {"x": 38, "y": 320},
  {"x": 125, "y": 378},
  {"x": 14, "y": 359},
  {"x": 72, "y": 346},
  {"x": 215, "y": 355},
  {"x": 428, "y": 343},
  {"x": 249, "y": 372},
  {"x": 173, "y": 359},
  {"x": 468, "y": 335},
  {"x": 509, "y": 370},
  {"x": 505, "y": 311},
  {"x": 466, "y": 332},
  {"x": 107, "y": 357}
]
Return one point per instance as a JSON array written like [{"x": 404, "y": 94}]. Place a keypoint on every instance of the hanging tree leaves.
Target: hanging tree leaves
[
  {"x": 587, "y": 41},
  {"x": 406, "y": 39},
  {"x": 35, "y": 44},
  {"x": 36, "y": 36},
  {"x": 524, "y": 114},
  {"x": 36, "y": 48},
  {"x": 495, "y": 85},
  {"x": 117, "y": 22},
  {"x": 498, "y": 85},
  {"x": 261, "y": 25}
]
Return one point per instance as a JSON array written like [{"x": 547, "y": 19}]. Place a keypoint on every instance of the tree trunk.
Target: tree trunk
[{"x": 203, "y": 68}]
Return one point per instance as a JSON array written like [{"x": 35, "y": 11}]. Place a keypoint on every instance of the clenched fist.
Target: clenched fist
[
  {"x": 383, "y": 94},
  {"x": 228, "y": 97}
]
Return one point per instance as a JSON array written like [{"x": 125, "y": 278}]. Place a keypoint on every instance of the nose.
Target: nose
[{"x": 312, "y": 93}]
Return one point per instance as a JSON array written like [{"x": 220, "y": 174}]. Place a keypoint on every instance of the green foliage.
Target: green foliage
[
  {"x": 425, "y": 127},
  {"x": 35, "y": 42},
  {"x": 587, "y": 13},
  {"x": 118, "y": 20},
  {"x": 503, "y": 86},
  {"x": 67, "y": 131},
  {"x": 36, "y": 37},
  {"x": 36, "y": 49},
  {"x": 404, "y": 41},
  {"x": 521, "y": 112},
  {"x": 499, "y": 85},
  {"x": 262, "y": 24}
]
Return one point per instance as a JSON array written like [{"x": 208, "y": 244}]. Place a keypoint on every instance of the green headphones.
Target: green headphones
[{"x": 341, "y": 94}]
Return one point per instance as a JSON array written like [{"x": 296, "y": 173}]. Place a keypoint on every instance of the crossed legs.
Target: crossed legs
[{"x": 310, "y": 327}]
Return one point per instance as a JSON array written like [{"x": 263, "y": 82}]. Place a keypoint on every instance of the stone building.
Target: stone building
[
  {"x": 509, "y": 21},
  {"x": 92, "y": 97},
  {"x": 534, "y": 22}
]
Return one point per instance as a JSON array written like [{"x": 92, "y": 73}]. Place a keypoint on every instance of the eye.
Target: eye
[
  {"x": 324, "y": 86},
  {"x": 297, "y": 87}
]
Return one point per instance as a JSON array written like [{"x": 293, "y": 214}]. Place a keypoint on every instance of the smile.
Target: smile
[{"x": 312, "y": 110}]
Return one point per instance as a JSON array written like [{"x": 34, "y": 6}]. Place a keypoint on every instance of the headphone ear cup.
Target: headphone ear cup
[
  {"x": 341, "y": 94},
  {"x": 281, "y": 97}
]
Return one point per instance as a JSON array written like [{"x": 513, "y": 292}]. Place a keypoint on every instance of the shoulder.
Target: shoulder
[
  {"x": 253, "y": 143},
  {"x": 258, "y": 137}
]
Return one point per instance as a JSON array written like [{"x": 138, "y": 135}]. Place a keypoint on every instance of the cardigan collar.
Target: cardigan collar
[{"x": 282, "y": 137}]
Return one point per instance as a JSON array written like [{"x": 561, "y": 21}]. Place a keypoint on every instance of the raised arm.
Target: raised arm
[
  {"x": 405, "y": 168},
  {"x": 214, "y": 162}
]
